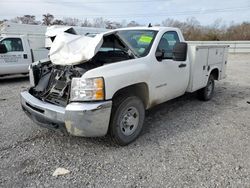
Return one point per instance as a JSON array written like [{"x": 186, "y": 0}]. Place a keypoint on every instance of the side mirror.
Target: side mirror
[
  {"x": 159, "y": 54},
  {"x": 3, "y": 49},
  {"x": 180, "y": 51}
]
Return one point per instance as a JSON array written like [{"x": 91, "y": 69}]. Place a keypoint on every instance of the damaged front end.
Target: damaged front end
[
  {"x": 49, "y": 101},
  {"x": 61, "y": 96},
  {"x": 53, "y": 82},
  {"x": 72, "y": 55}
]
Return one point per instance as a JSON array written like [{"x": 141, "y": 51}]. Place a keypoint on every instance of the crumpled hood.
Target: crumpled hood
[{"x": 68, "y": 49}]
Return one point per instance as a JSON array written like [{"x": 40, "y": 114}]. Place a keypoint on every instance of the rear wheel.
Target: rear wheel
[
  {"x": 207, "y": 92},
  {"x": 127, "y": 119}
]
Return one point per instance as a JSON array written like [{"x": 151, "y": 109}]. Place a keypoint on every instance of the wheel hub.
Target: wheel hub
[{"x": 130, "y": 121}]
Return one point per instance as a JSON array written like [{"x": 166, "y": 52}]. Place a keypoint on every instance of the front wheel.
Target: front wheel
[
  {"x": 127, "y": 119},
  {"x": 207, "y": 92}
]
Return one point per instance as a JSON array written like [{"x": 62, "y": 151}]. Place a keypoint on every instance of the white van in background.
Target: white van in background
[{"x": 20, "y": 45}]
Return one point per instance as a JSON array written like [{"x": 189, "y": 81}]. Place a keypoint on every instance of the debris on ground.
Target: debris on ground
[{"x": 60, "y": 172}]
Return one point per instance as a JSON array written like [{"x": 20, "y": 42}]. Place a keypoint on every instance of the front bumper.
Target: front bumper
[{"x": 88, "y": 119}]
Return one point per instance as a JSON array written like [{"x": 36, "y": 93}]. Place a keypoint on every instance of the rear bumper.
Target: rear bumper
[{"x": 79, "y": 119}]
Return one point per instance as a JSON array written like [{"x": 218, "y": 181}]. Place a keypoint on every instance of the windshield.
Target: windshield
[{"x": 140, "y": 41}]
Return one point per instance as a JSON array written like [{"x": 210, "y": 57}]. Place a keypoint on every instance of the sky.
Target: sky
[{"x": 142, "y": 11}]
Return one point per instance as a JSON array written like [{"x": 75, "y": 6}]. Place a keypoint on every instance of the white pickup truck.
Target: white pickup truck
[{"x": 92, "y": 86}]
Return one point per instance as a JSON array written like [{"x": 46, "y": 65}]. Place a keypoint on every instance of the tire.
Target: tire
[
  {"x": 207, "y": 92},
  {"x": 127, "y": 119}
]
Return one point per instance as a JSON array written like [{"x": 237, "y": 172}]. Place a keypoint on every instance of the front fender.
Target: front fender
[{"x": 121, "y": 74}]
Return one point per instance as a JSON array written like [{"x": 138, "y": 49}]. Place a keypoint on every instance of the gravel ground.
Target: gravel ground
[{"x": 185, "y": 143}]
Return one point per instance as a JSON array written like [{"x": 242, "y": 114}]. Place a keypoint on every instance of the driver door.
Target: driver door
[{"x": 172, "y": 77}]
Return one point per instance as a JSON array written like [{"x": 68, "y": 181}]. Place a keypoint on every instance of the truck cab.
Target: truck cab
[{"x": 165, "y": 86}]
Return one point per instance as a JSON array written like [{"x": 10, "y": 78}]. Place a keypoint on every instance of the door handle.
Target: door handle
[
  {"x": 25, "y": 56},
  {"x": 182, "y": 65}
]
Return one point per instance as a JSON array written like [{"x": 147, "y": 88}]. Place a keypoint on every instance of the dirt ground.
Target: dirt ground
[{"x": 185, "y": 143}]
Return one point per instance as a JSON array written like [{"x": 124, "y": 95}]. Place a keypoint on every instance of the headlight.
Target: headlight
[{"x": 89, "y": 89}]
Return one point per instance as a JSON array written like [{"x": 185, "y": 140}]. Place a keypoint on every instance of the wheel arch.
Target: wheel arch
[
  {"x": 139, "y": 89},
  {"x": 215, "y": 72}
]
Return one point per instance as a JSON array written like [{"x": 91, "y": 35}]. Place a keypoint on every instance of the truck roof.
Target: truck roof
[
  {"x": 11, "y": 35},
  {"x": 10, "y": 28},
  {"x": 149, "y": 28},
  {"x": 142, "y": 28}
]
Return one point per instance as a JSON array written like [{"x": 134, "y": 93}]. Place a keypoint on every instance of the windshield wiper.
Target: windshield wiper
[{"x": 131, "y": 53}]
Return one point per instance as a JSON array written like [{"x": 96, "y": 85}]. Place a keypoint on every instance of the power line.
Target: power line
[{"x": 87, "y": 2}]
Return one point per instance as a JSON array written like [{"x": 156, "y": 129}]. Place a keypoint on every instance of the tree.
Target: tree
[
  {"x": 48, "y": 19},
  {"x": 133, "y": 24},
  {"x": 71, "y": 21},
  {"x": 58, "y": 22},
  {"x": 2, "y": 21},
  {"x": 191, "y": 28},
  {"x": 26, "y": 19},
  {"x": 170, "y": 22},
  {"x": 238, "y": 32},
  {"x": 112, "y": 25},
  {"x": 99, "y": 22},
  {"x": 86, "y": 23},
  {"x": 124, "y": 23}
]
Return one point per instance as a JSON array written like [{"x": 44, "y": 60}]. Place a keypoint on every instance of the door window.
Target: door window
[
  {"x": 167, "y": 42},
  {"x": 13, "y": 44}
]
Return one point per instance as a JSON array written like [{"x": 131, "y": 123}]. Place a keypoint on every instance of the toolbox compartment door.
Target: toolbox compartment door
[{"x": 200, "y": 68}]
